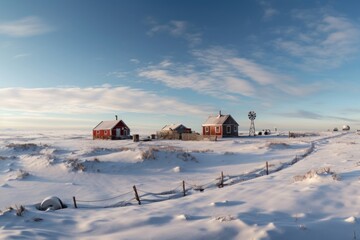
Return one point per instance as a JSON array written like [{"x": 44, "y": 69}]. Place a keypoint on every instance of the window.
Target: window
[
  {"x": 235, "y": 129},
  {"x": 97, "y": 132},
  {"x": 228, "y": 129},
  {"x": 206, "y": 129},
  {"x": 105, "y": 132},
  {"x": 217, "y": 129}
]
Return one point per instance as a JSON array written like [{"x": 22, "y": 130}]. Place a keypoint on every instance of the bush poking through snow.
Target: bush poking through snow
[
  {"x": 315, "y": 173},
  {"x": 227, "y": 218},
  {"x": 20, "y": 210},
  {"x": 75, "y": 165},
  {"x": 186, "y": 156},
  {"x": 21, "y": 174},
  {"x": 149, "y": 154},
  {"x": 24, "y": 146}
]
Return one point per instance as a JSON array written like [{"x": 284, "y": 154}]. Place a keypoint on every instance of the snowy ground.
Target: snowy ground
[{"x": 312, "y": 191}]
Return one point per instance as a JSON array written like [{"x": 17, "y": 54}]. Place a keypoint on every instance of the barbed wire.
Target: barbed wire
[
  {"x": 106, "y": 199},
  {"x": 169, "y": 194}
]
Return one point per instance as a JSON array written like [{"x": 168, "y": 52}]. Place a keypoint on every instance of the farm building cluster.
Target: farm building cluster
[{"x": 214, "y": 127}]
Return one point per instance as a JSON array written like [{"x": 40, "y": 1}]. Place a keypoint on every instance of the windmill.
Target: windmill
[{"x": 252, "y": 116}]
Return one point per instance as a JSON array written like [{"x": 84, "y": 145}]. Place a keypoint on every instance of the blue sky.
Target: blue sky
[{"x": 71, "y": 64}]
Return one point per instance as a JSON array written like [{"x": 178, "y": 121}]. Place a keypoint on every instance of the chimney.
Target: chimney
[
  {"x": 219, "y": 114},
  {"x": 116, "y": 117}
]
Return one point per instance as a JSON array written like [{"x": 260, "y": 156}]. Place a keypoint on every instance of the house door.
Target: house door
[
  {"x": 125, "y": 132},
  {"x": 117, "y": 132}
]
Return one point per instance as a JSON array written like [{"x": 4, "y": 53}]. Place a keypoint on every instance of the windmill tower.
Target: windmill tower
[{"x": 252, "y": 116}]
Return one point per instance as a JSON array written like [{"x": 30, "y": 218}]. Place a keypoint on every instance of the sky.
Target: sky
[{"x": 70, "y": 64}]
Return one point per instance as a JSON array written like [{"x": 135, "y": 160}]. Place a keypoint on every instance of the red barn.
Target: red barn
[
  {"x": 111, "y": 130},
  {"x": 220, "y": 126}
]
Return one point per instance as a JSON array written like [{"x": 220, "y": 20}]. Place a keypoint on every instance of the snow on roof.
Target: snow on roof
[
  {"x": 107, "y": 124},
  {"x": 216, "y": 120},
  {"x": 171, "y": 127}
]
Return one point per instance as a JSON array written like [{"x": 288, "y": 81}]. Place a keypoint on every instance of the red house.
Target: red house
[
  {"x": 111, "y": 130},
  {"x": 220, "y": 126}
]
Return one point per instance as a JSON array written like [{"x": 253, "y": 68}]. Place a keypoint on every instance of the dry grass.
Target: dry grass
[
  {"x": 186, "y": 157},
  {"x": 20, "y": 210},
  {"x": 75, "y": 164},
  {"x": 149, "y": 154},
  {"x": 203, "y": 151},
  {"x": 319, "y": 172},
  {"x": 21, "y": 174}
]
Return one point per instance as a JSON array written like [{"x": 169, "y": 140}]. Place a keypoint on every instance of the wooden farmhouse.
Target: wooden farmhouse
[
  {"x": 220, "y": 126},
  {"x": 178, "y": 128},
  {"x": 173, "y": 131},
  {"x": 116, "y": 129}
]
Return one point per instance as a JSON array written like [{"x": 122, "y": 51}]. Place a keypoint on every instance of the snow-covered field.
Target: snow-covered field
[{"x": 312, "y": 191}]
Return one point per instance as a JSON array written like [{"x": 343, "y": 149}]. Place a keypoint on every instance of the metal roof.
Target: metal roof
[
  {"x": 216, "y": 120},
  {"x": 107, "y": 125},
  {"x": 171, "y": 127}
]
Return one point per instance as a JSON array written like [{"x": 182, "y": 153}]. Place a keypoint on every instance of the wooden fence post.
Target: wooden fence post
[
  {"x": 74, "y": 200},
  {"x": 267, "y": 168},
  {"x": 184, "y": 190},
  {"x": 221, "y": 180},
  {"x": 136, "y": 195}
]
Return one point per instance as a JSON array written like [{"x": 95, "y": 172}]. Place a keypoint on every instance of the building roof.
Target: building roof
[
  {"x": 107, "y": 124},
  {"x": 171, "y": 127},
  {"x": 217, "y": 120}
]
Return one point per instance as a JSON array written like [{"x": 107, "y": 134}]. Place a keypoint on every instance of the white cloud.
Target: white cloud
[
  {"x": 134, "y": 60},
  {"x": 117, "y": 74},
  {"x": 23, "y": 55},
  {"x": 304, "y": 114},
  {"x": 178, "y": 29},
  {"x": 73, "y": 100},
  {"x": 323, "y": 41},
  {"x": 269, "y": 11},
  {"x": 220, "y": 73},
  {"x": 25, "y": 27}
]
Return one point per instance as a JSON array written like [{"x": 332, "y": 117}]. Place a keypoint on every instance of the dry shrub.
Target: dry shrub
[
  {"x": 186, "y": 156},
  {"x": 21, "y": 174},
  {"x": 20, "y": 210},
  {"x": 75, "y": 165},
  {"x": 22, "y": 146},
  {"x": 149, "y": 154},
  {"x": 203, "y": 151},
  {"x": 227, "y": 218},
  {"x": 319, "y": 172}
]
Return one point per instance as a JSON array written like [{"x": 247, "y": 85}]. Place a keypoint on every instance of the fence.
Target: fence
[
  {"x": 140, "y": 196},
  {"x": 186, "y": 187}
]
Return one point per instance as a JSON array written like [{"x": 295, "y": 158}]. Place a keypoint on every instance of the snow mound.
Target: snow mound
[
  {"x": 351, "y": 219},
  {"x": 182, "y": 217},
  {"x": 318, "y": 174},
  {"x": 177, "y": 169}
]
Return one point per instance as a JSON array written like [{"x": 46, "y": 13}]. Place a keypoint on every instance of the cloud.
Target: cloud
[
  {"x": 315, "y": 116},
  {"x": 23, "y": 55},
  {"x": 25, "y": 27},
  {"x": 178, "y": 29},
  {"x": 73, "y": 100},
  {"x": 134, "y": 60},
  {"x": 117, "y": 74},
  {"x": 269, "y": 11},
  {"x": 323, "y": 41},
  {"x": 220, "y": 73}
]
